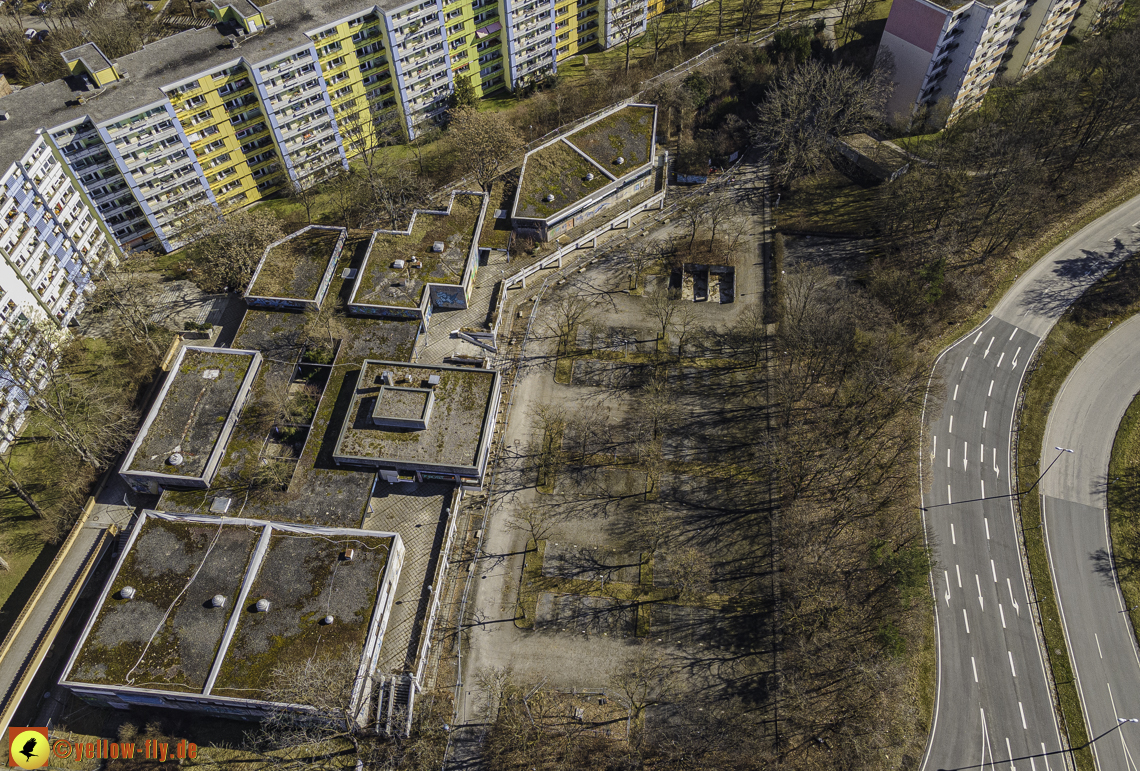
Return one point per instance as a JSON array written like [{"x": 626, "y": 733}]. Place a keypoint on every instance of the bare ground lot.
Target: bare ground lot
[{"x": 631, "y": 509}]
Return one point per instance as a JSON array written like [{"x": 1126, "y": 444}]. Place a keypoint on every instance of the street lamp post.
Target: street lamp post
[{"x": 1062, "y": 451}]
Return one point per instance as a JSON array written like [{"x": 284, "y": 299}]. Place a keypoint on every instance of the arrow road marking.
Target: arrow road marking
[
  {"x": 947, "y": 574},
  {"x": 1014, "y": 365},
  {"x": 1016, "y": 607},
  {"x": 981, "y": 601},
  {"x": 987, "y": 353},
  {"x": 996, "y": 470}
]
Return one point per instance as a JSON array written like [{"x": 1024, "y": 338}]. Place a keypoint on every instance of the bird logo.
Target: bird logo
[{"x": 28, "y": 747}]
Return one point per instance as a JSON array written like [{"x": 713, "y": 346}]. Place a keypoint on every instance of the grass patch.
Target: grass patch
[
  {"x": 1111, "y": 300},
  {"x": 1124, "y": 508},
  {"x": 829, "y": 202}
]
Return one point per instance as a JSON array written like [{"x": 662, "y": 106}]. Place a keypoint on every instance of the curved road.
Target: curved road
[
  {"x": 994, "y": 708},
  {"x": 1102, "y": 644}
]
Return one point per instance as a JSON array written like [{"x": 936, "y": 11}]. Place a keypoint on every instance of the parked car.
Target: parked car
[{"x": 30, "y": 34}]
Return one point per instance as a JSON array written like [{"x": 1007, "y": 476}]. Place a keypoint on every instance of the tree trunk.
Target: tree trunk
[{"x": 27, "y": 498}]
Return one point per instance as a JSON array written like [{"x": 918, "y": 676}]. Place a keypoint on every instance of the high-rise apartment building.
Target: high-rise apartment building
[
  {"x": 52, "y": 244},
  {"x": 947, "y": 55}
]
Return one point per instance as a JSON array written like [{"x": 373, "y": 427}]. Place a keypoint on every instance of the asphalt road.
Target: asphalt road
[
  {"x": 1101, "y": 641},
  {"x": 994, "y": 708}
]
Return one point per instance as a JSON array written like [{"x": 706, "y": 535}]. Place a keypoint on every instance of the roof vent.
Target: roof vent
[
  {"x": 262, "y": 605},
  {"x": 218, "y": 601},
  {"x": 437, "y": 246},
  {"x": 433, "y": 380},
  {"x": 620, "y": 160},
  {"x": 220, "y": 505},
  {"x": 327, "y": 620},
  {"x": 127, "y": 593},
  {"x": 398, "y": 264},
  {"x": 549, "y": 197},
  {"x": 387, "y": 377},
  {"x": 349, "y": 554},
  {"x": 589, "y": 176},
  {"x": 176, "y": 459}
]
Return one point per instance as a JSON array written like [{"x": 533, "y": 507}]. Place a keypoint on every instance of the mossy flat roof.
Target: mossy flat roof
[
  {"x": 454, "y": 433},
  {"x": 380, "y": 283},
  {"x": 294, "y": 267},
  {"x": 191, "y": 414},
  {"x": 181, "y": 562},
  {"x": 163, "y": 558},
  {"x": 559, "y": 168},
  {"x": 304, "y": 580}
]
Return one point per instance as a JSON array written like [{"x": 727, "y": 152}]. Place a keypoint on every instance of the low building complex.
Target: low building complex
[{"x": 208, "y": 614}]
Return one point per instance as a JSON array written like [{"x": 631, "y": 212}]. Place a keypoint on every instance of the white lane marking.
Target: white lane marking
[
  {"x": 951, "y": 429},
  {"x": 1022, "y": 709},
  {"x": 987, "y": 521},
  {"x": 979, "y": 337},
  {"x": 947, "y": 574},
  {"x": 934, "y": 450},
  {"x": 993, "y": 569},
  {"x": 985, "y": 417},
  {"x": 958, "y": 571},
  {"x": 1016, "y": 607},
  {"x": 1000, "y": 358},
  {"x": 1011, "y": 334},
  {"x": 1134, "y": 224},
  {"x": 982, "y": 454},
  {"x": 1032, "y": 764},
  {"x": 1012, "y": 668},
  {"x": 956, "y": 391},
  {"x": 966, "y": 619},
  {"x": 1045, "y": 752},
  {"x": 975, "y": 666},
  {"x": 1009, "y": 753},
  {"x": 1098, "y": 650},
  {"x": 953, "y": 540},
  {"x": 965, "y": 452},
  {"x": 987, "y": 353},
  {"x": 983, "y": 488},
  {"x": 991, "y": 391},
  {"x": 1014, "y": 365},
  {"x": 964, "y": 364},
  {"x": 1001, "y": 612},
  {"x": 947, "y": 457},
  {"x": 948, "y": 498},
  {"x": 981, "y": 601}
]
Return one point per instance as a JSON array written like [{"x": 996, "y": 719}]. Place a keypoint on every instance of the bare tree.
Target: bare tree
[
  {"x": 128, "y": 296},
  {"x": 304, "y": 194},
  {"x": 644, "y": 680},
  {"x": 567, "y": 312},
  {"x": 662, "y": 310},
  {"x": 811, "y": 108},
  {"x": 228, "y": 247},
  {"x": 536, "y": 520},
  {"x": 689, "y": 571},
  {"x": 486, "y": 142},
  {"x": 686, "y": 322}
]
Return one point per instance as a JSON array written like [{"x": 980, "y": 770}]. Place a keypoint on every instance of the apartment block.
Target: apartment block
[
  {"x": 946, "y": 56},
  {"x": 52, "y": 246}
]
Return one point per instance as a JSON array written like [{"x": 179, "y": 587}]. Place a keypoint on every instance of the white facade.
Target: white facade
[{"x": 52, "y": 246}]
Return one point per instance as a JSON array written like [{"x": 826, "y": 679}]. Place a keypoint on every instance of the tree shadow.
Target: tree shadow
[{"x": 1067, "y": 284}]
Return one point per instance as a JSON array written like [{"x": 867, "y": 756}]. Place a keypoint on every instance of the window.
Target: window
[
  {"x": 485, "y": 44},
  {"x": 455, "y": 29}
]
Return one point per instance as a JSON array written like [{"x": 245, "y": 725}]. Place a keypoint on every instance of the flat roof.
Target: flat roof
[
  {"x": 191, "y": 411},
  {"x": 454, "y": 434},
  {"x": 560, "y": 169},
  {"x": 380, "y": 283},
  {"x": 170, "y": 637},
  {"x": 165, "y": 62},
  {"x": 294, "y": 267}
]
